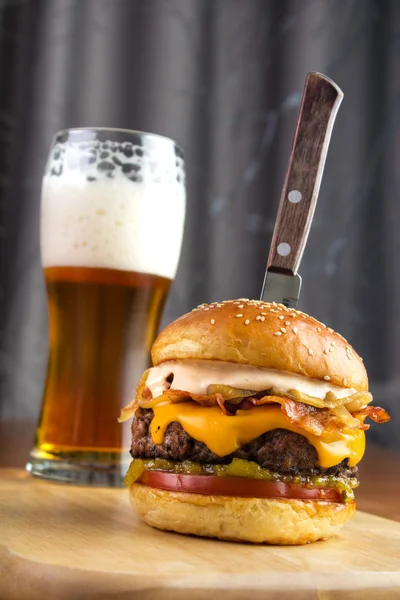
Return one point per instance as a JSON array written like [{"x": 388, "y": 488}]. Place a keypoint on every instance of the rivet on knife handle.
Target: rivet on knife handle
[{"x": 319, "y": 106}]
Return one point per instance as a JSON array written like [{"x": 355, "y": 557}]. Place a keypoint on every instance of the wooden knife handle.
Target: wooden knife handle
[{"x": 319, "y": 106}]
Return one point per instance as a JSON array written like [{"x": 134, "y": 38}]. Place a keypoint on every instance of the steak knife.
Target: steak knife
[{"x": 319, "y": 106}]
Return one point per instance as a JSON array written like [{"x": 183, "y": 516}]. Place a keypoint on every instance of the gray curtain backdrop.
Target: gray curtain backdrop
[{"x": 223, "y": 78}]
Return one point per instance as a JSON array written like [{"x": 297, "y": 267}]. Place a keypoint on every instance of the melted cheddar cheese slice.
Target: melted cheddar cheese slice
[{"x": 223, "y": 434}]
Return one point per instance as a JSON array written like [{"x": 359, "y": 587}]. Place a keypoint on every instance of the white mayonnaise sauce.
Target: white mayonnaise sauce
[{"x": 196, "y": 375}]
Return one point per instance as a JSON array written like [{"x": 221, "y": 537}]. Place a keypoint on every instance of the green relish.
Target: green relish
[{"x": 240, "y": 468}]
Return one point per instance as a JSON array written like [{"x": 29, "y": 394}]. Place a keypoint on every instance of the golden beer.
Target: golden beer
[
  {"x": 110, "y": 248},
  {"x": 115, "y": 315}
]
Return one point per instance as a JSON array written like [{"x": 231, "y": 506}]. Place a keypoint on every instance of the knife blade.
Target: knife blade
[{"x": 319, "y": 106}]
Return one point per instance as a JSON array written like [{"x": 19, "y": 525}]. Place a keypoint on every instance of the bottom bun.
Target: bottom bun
[{"x": 257, "y": 520}]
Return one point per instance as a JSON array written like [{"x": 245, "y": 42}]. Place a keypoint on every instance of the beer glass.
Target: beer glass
[{"x": 112, "y": 218}]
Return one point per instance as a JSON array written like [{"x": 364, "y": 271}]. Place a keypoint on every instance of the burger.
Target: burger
[{"x": 249, "y": 426}]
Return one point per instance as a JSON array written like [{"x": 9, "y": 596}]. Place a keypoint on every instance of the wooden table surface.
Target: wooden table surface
[{"x": 379, "y": 492}]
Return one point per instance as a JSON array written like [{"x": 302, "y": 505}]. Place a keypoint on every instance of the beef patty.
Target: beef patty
[{"x": 278, "y": 450}]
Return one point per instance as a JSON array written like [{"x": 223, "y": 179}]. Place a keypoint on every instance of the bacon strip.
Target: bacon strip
[
  {"x": 321, "y": 422},
  {"x": 376, "y": 413},
  {"x": 181, "y": 396},
  {"x": 223, "y": 406}
]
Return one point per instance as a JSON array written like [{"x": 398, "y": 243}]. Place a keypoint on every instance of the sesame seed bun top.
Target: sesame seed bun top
[{"x": 265, "y": 335}]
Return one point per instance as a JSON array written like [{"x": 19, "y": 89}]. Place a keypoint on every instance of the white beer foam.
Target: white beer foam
[{"x": 111, "y": 223}]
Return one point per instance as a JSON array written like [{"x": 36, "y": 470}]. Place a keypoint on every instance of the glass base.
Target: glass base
[{"x": 80, "y": 470}]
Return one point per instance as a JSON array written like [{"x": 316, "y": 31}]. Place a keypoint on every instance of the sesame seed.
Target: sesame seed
[
  {"x": 319, "y": 329},
  {"x": 247, "y": 321},
  {"x": 327, "y": 378},
  {"x": 279, "y": 308},
  {"x": 264, "y": 313},
  {"x": 272, "y": 310},
  {"x": 281, "y": 317},
  {"x": 295, "y": 330},
  {"x": 278, "y": 333},
  {"x": 293, "y": 315},
  {"x": 287, "y": 323},
  {"x": 262, "y": 318},
  {"x": 240, "y": 305},
  {"x": 258, "y": 318},
  {"x": 331, "y": 349},
  {"x": 345, "y": 381},
  {"x": 333, "y": 344},
  {"x": 206, "y": 308},
  {"x": 283, "y": 330},
  {"x": 330, "y": 329},
  {"x": 212, "y": 321},
  {"x": 326, "y": 350},
  {"x": 274, "y": 303},
  {"x": 239, "y": 315},
  {"x": 310, "y": 352}
]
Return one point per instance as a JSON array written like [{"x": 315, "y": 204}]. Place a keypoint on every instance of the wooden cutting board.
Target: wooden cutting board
[{"x": 64, "y": 542}]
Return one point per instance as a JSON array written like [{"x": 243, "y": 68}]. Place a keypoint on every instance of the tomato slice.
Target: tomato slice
[{"x": 235, "y": 486}]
